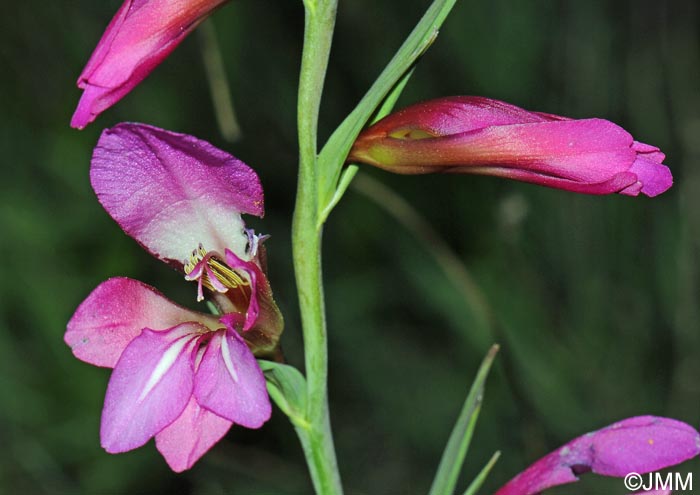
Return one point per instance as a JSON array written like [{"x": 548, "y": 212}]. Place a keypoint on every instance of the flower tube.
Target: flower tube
[
  {"x": 473, "y": 135},
  {"x": 139, "y": 37}
]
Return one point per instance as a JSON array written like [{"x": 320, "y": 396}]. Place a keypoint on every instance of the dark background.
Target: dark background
[{"x": 594, "y": 299}]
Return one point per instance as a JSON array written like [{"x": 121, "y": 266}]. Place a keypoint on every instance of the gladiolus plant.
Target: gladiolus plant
[{"x": 186, "y": 377}]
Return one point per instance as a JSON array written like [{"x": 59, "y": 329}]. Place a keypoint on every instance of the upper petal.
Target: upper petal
[
  {"x": 453, "y": 115},
  {"x": 172, "y": 191},
  {"x": 190, "y": 436},
  {"x": 115, "y": 313},
  {"x": 652, "y": 174},
  {"x": 642, "y": 444},
  {"x": 150, "y": 386},
  {"x": 229, "y": 381}
]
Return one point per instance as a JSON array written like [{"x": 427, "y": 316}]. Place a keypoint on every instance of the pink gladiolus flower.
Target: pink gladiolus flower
[
  {"x": 641, "y": 445},
  {"x": 179, "y": 375},
  {"x": 139, "y": 37},
  {"x": 473, "y": 135}
]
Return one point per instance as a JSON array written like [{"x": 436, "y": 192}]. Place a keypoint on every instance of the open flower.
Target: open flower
[
  {"x": 473, "y": 135},
  {"x": 635, "y": 445},
  {"x": 179, "y": 375},
  {"x": 139, "y": 37}
]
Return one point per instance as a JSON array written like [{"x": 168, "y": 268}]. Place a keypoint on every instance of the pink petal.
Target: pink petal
[
  {"x": 654, "y": 177},
  {"x": 642, "y": 444},
  {"x": 455, "y": 115},
  {"x": 115, "y": 313},
  {"x": 646, "y": 148},
  {"x": 139, "y": 37},
  {"x": 623, "y": 182},
  {"x": 264, "y": 315},
  {"x": 190, "y": 436},
  {"x": 150, "y": 386},
  {"x": 229, "y": 382},
  {"x": 172, "y": 191},
  {"x": 254, "y": 273}
]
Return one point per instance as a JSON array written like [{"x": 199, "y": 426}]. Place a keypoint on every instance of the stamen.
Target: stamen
[
  {"x": 193, "y": 269},
  {"x": 212, "y": 273},
  {"x": 224, "y": 273}
]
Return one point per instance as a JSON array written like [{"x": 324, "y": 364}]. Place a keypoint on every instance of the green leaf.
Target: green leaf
[
  {"x": 287, "y": 388},
  {"x": 475, "y": 485},
  {"x": 345, "y": 180},
  {"x": 391, "y": 99},
  {"x": 349, "y": 172},
  {"x": 458, "y": 444},
  {"x": 332, "y": 156}
]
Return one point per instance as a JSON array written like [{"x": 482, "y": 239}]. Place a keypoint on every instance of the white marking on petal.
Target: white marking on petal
[
  {"x": 166, "y": 362},
  {"x": 226, "y": 354}
]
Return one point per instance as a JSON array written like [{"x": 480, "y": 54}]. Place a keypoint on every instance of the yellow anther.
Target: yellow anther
[
  {"x": 224, "y": 274},
  {"x": 196, "y": 256}
]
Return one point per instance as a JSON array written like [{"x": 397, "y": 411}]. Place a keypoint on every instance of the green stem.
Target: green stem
[{"x": 316, "y": 438}]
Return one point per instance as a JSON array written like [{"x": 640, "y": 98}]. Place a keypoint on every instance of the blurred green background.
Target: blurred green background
[{"x": 593, "y": 299}]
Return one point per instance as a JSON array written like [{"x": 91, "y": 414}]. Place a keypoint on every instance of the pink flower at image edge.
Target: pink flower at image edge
[
  {"x": 635, "y": 445},
  {"x": 140, "y": 36}
]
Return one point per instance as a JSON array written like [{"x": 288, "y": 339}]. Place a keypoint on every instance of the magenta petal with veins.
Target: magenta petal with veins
[
  {"x": 150, "y": 386},
  {"x": 229, "y": 381},
  {"x": 172, "y": 192}
]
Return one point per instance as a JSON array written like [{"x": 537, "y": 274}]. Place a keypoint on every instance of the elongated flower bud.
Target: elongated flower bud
[
  {"x": 139, "y": 37},
  {"x": 473, "y": 135}
]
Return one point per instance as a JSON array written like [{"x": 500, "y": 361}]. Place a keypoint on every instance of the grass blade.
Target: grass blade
[
  {"x": 458, "y": 444},
  {"x": 483, "y": 474}
]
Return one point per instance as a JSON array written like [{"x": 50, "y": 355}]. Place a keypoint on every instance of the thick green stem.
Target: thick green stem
[{"x": 316, "y": 438}]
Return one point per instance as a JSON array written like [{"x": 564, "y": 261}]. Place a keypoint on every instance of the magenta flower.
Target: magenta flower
[
  {"x": 179, "y": 375},
  {"x": 139, "y": 37},
  {"x": 473, "y": 135},
  {"x": 635, "y": 445}
]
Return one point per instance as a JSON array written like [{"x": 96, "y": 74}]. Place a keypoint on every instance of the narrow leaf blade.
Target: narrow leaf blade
[
  {"x": 475, "y": 485},
  {"x": 390, "y": 101},
  {"x": 348, "y": 174},
  {"x": 336, "y": 149},
  {"x": 460, "y": 438}
]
